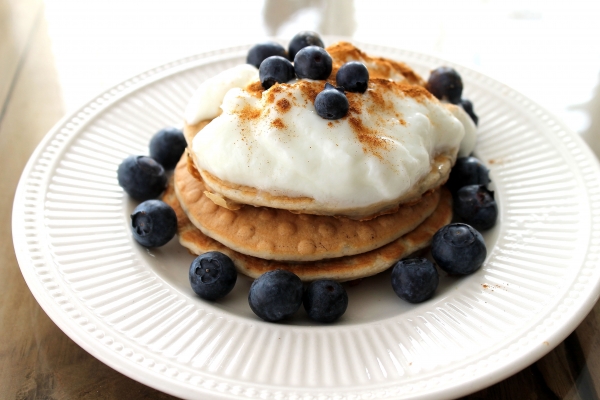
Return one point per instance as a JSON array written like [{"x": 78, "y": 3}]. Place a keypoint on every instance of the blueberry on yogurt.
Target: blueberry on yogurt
[
  {"x": 313, "y": 62},
  {"x": 261, "y": 51},
  {"x": 275, "y": 69},
  {"x": 353, "y": 77},
  {"x": 331, "y": 103},
  {"x": 445, "y": 84},
  {"x": 302, "y": 40}
]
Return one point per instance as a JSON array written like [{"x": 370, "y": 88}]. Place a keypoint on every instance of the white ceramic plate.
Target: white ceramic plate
[{"x": 133, "y": 309}]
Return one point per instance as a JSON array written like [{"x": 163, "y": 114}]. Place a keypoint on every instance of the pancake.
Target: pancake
[
  {"x": 276, "y": 234},
  {"x": 340, "y": 269}
]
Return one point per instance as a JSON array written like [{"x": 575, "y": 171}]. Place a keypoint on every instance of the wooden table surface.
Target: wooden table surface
[{"x": 38, "y": 361}]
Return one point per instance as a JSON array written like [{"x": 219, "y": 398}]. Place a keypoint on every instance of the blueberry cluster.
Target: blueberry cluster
[
  {"x": 273, "y": 296},
  {"x": 473, "y": 202},
  {"x": 446, "y": 84},
  {"x": 278, "y": 294},
  {"x": 153, "y": 222},
  {"x": 457, "y": 248},
  {"x": 306, "y": 58}
]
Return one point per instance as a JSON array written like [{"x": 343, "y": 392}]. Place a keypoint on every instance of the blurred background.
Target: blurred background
[
  {"x": 548, "y": 50},
  {"x": 57, "y": 54}
]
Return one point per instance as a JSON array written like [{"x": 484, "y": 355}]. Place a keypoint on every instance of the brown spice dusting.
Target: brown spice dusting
[
  {"x": 274, "y": 90},
  {"x": 416, "y": 92},
  {"x": 369, "y": 138},
  {"x": 330, "y": 124},
  {"x": 379, "y": 67},
  {"x": 278, "y": 123},
  {"x": 255, "y": 89},
  {"x": 283, "y": 105},
  {"x": 248, "y": 113},
  {"x": 397, "y": 66},
  {"x": 355, "y": 103},
  {"x": 310, "y": 90},
  {"x": 402, "y": 122}
]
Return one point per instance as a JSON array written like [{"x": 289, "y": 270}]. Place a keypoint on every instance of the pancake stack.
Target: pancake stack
[{"x": 262, "y": 230}]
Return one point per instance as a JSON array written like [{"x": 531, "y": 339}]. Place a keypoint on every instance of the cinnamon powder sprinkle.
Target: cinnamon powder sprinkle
[
  {"x": 255, "y": 89},
  {"x": 283, "y": 105},
  {"x": 310, "y": 90},
  {"x": 418, "y": 93},
  {"x": 369, "y": 138},
  {"x": 278, "y": 123},
  {"x": 273, "y": 90},
  {"x": 248, "y": 113}
]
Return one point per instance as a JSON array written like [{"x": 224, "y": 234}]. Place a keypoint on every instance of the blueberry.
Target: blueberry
[
  {"x": 313, "y": 62},
  {"x": 458, "y": 249},
  {"x": 167, "y": 146},
  {"x": 445, "y": 84},
  {"x": 331, "y": 103},
  {"x": 303, "y": 39},
  {"x": 325, "y": 300},
  {"x": 259, "y": 52},
  {"x": 275, "y": 69},
  {"x": 153, "y": 223},
  {"x": 141, "y": 177},
  {"x": 353, "y": 77},
  {"x": 414, "y": 279},
  {"x": 467, "y": 171},
  {"x": 212, "y": 275},
  {"x": 468, "y": 107},
  {"x": 475, "y": 204},
  {"x": 275, "y": 295}
]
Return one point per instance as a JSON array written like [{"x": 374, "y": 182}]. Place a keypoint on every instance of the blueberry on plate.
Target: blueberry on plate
[
  {"x": 414, "y": 279},
  {"x": 325, "y": 300},
  {"x": 167, "y": 146},
  {"x": 141, "y": 177},
  {"x": 331, "y": 103},
  {"x": 275, "y": 295},
  {"x": 153, "y": 223},
  {"x": 458, "y": 249},
  {"x": 353, "y": 77},
  {"x": 259, "y": 52},
  {"x": 302, "y": 40},
  {"x": 212, "y": 275},
  {"x": 445, "y": 84},
  {"x": 476, "y": 206},
  {"x": 275, "y": 69},
  {"x": 313, "y": 62},
  {"x": 467, "y": 105},
  {"x": 467, "y": 171}
]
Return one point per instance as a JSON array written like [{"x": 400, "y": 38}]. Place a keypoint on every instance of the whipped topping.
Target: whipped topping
[
  {"x": 206, "y": 101},
  {"x": 467, "y": 145},
  {"x": 274, "y": 141}
]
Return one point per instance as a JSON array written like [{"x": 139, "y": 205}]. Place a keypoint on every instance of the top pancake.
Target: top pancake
[{"x": 277, "y": 234}]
